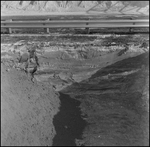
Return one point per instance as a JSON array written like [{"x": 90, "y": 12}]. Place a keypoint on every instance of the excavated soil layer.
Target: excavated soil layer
[
  {"x": 68, "y": 122},
  {"x": 108, "y": 81},
  {"x": 116, "y": 102}
]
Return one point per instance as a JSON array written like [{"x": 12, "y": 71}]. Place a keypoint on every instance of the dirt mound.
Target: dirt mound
[
  {"x": 27, "y": 110},
  {"x": 65, "y": 59},
  {"x": 115, "y": 103},
  {"x": 109, "y": 86}
]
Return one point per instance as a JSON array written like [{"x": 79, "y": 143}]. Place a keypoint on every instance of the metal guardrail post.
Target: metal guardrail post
[
  {"x": 47, "y": 29},
  {"x": 10, "y": 29},
  {"x": 87, "y": 29},
  {"x": 130, "y": 30}
]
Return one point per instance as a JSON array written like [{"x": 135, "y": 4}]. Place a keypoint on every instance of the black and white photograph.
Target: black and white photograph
[{"x": 74, "y": 73}]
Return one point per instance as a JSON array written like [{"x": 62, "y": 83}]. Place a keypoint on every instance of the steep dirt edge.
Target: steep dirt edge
[
  {"x": 27, "y": 110},
  {"x": 115, "y": 101}
]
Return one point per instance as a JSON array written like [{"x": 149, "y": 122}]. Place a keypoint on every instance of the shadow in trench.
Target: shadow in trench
[{"x": 68, "y": 122}]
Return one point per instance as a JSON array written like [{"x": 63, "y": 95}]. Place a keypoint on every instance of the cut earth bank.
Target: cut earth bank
[{"x": 108, "y": 74}]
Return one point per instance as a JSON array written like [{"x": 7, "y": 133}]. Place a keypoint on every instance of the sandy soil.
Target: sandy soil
[
  {"x": 94, "y": 69},
  {"x": 65, "y": 59},
  {"x": 27, "y": 110},
  {"x": 115, "y": 103}
]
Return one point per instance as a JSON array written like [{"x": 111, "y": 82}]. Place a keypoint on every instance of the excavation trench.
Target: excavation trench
[
  {"x": 68, "y": 123},
  {"x": 114, "y": 98}
]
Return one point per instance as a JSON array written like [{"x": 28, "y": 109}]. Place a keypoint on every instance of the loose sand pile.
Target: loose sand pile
[{"x": 27, "y": 110}]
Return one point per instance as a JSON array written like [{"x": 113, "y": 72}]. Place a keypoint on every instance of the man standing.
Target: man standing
[
  {"x": 32, "y": 64},
  {"x": 30, "y": 61}
]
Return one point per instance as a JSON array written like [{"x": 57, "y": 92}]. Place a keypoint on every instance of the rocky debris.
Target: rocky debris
[
  {"x": 124, "y": 50},
  {"x": 66, "y": 76},
  {"x": 145, "y": 44},
  {"x": 79, "y": 142},
  {"x": 24, "y": 58},
  {"x": 72, "y": 61}
]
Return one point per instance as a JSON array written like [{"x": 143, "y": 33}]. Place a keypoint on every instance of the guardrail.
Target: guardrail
[{"x": 75, "y": 24}]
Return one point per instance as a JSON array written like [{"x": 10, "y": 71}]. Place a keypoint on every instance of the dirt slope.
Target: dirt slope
[
  {"x": 115, "y": 103},
  {"x": 27, "y": 110},
  {"x": 108, "y": 80}
]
